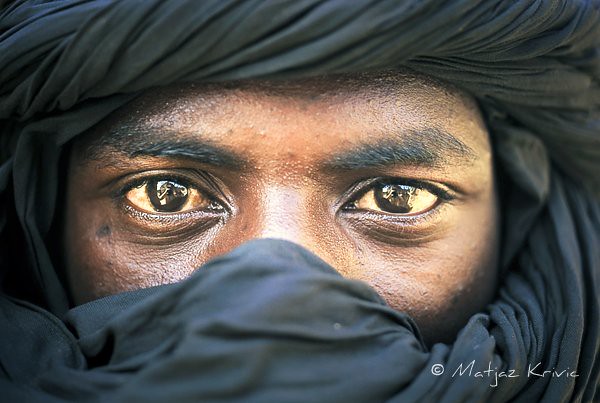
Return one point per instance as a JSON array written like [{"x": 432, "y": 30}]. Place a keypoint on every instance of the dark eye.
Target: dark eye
[
  {"x": 168, "y": 196},
  {"x": 396, "y": 198}
]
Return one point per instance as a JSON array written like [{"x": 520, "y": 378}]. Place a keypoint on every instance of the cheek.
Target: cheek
[
  {"x": 104, "y": 258},
  {"x": 442, "y": 283},
  {"x": 440, "y": 293},
  {"x": 106, "y": 254}
]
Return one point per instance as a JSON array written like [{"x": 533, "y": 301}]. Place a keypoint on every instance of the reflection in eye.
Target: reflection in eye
[
  {"x": 168, "y": 195},
  {"x": 396, "y": 198}
]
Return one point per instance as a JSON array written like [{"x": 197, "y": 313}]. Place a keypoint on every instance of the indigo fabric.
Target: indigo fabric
[{"x": 250, "y": 326}]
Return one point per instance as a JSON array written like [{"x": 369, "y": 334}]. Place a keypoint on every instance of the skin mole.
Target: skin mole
[{"x": 103, "y": 231}]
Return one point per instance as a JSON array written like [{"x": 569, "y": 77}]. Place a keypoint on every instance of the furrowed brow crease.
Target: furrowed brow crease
[
  {"x": 430, "y": 147},
  {"x": 135, "y": 142}
]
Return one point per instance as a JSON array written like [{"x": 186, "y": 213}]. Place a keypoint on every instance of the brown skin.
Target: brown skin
[{"x": 437, "y": 262}]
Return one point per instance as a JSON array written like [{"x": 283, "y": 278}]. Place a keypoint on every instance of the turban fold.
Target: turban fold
[{"x": 534, "y": 68}]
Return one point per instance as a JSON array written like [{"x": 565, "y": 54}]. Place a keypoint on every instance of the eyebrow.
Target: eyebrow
[
  {"x": 136, "y": 142},
  {"x": 429, "y": 147}
]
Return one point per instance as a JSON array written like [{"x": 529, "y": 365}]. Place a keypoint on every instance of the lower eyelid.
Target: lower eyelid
[
  {"x": 181, "y": 225},
  {"x": 162, "y": 218},
  {"x": 399, "y": 229},
  {"x": 400, "y": 219}
]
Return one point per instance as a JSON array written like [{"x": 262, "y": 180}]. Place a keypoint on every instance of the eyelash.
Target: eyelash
[
  {"x": 189, "y": 179},
  {"x": 359, "y": 189}
]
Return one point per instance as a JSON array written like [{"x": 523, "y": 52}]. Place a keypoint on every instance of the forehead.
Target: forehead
[
  {"x": 409, "y": 93},
  {"x": 350, "y": 108}
]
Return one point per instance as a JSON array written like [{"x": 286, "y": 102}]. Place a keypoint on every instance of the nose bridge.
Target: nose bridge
[
  {"x": 289, "y": 213},
  {"x": 283, "y": 214}
]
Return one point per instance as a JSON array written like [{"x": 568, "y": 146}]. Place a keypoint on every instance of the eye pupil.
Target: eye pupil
[
  {"x": 167, "y": 195},
  {"x": 395, "y": 198}
]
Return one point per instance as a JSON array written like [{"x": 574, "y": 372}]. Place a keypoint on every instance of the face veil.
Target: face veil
[{"x": 534, "y": 68}]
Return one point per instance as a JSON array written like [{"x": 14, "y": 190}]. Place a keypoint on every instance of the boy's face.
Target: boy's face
[{"x": 388, "y": 178}]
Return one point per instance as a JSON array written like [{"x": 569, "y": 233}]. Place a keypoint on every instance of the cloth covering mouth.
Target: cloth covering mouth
[
  {"x": 532, "y": 65},
  {"x": 269, "y": 321}
]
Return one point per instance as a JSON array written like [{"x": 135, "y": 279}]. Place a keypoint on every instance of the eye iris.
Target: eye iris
[
  {"x": 395, "y": 198},
  {"x": 167, "y": 195}
]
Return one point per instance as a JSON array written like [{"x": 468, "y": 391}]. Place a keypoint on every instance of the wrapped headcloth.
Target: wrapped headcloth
[{"x": 532, "y": 65}]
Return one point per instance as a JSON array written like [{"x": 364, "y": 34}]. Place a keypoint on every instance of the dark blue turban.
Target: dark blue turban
[{"x": 228, "y": 333}]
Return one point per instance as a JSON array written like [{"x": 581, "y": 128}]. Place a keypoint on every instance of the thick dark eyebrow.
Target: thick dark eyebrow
[
  {"x": 430, "y": 148},
  {"x": 136, "y": 142}
]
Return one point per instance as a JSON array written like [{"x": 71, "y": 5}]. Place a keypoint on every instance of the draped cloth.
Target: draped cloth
[{"x": 270, "y": 321}]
